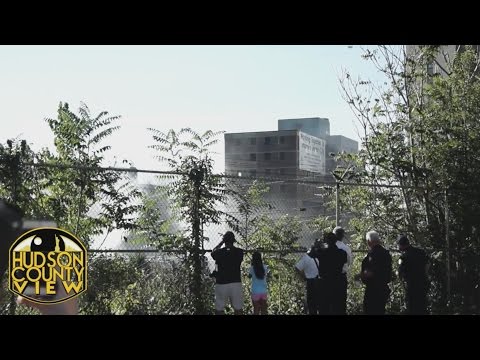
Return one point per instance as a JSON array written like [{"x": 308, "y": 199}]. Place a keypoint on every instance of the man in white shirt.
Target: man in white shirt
[
  {"x": 307, "y": 268},
  {"x": 340, "y": 233}
]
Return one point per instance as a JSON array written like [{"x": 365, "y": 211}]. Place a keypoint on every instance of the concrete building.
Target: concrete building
[
  {"x": 299, "y": 148},
  {"x": 318, "y": 127},
  {"x": 445, "y": 55},
  {"x": 274, "y": 153},
  {"x": 338, "y": 144}
]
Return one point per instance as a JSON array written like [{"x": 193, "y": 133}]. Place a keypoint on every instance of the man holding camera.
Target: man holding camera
[{"x": 228, "y": 278}]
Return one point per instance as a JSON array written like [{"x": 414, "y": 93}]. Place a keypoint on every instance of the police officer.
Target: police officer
[
  {"x": 413, "y": 267},
  {"x": 331, "y": 262},
  {"x": 376, "y": 273}
]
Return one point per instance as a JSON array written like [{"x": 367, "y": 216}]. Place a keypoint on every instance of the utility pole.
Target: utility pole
[
  {"x": 338, "y": 180},
  {"x": 337, "y": 190}
]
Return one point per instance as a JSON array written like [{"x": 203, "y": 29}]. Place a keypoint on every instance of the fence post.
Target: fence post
[
  {"x": 246, "y": 226},
  {"x": 337, "y": 189}
]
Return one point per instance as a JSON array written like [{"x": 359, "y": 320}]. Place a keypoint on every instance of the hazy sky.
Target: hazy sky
[{"x": 231, "y": 88}]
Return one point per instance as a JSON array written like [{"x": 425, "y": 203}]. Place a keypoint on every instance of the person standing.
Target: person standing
[
  {"x": 376, "y": 273},
  {"x": 228, "y": 279},
  {"x": 331, "y": 262},
  {"x": 340, "y": 234},
  {"x": 307, "y": 268},
  {"x": 258, "y": 273},
  {"x": 413, "y": 267}
]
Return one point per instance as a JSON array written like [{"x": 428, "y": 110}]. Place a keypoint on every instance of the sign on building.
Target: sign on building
[{"x": 311, "y": 153}]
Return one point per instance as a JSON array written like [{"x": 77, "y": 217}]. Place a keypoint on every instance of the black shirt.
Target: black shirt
[
  {"x": 379, "y": 262},
  {"x": 331, "y": 261},
  {"x": 412, "y": 265},
  {"x": 228, "y": 263}
]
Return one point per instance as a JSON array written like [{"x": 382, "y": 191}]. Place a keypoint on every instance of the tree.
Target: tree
[
  {"x": 420, "y": 132},
  {"x": 69, "y": 187},
  {"x": 83, "y": 197},
  {"x": 197, "y": 195},
  {"x": 21, "y": 183},
  {"x": 250, "y": 202}
]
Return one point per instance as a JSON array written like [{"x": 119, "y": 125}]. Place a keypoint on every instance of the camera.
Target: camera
[{"x": 317, "y": 247}]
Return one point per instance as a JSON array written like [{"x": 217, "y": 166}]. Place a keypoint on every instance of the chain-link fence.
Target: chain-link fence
[
  {"x": 275, "y": 199},
  {"x": 142, "y": 268}
]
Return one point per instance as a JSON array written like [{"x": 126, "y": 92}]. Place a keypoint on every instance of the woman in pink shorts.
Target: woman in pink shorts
[{"x": 258, "y": 273}]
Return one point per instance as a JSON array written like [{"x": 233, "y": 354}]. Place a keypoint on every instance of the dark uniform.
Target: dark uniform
[
  {"x": 331, "y": 261},
  {"x": 379, "y": 262},
  {"x": 413, "y": 270}
]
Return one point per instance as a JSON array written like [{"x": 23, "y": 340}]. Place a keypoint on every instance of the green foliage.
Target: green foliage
[
  {"x": 197, "y": 193},
  {"x": 196, "y": 196},
  {"x": 75, "y": 192},
  {"x": 250, "y": 202},
  {"x": 69, "y": 186},
  {"x": 155, "y": 223},
  {"x": 280, "y": 235},
  {"x": 20, "y": 182},
  {"x": 136, "y": 285},
  {"x": 111, "y": 279},
  {"x": 420, "y": 131}
]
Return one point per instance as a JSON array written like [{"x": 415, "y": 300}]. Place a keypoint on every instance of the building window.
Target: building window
[
  {"x": 282, "y": 139},
  {"x": 252, "y": 173},
  {"x": 283, "y": 171},
  {"x": 253, "y": 157},
  {"x": 238, "y": 142},
  {"x": 268, "y": 171},
  {"x": 268, "y": 156},
  {"x": 271, "y": 140},
  {"x": 253, "y": 141},
  {"x": 282, "y": 155}
]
